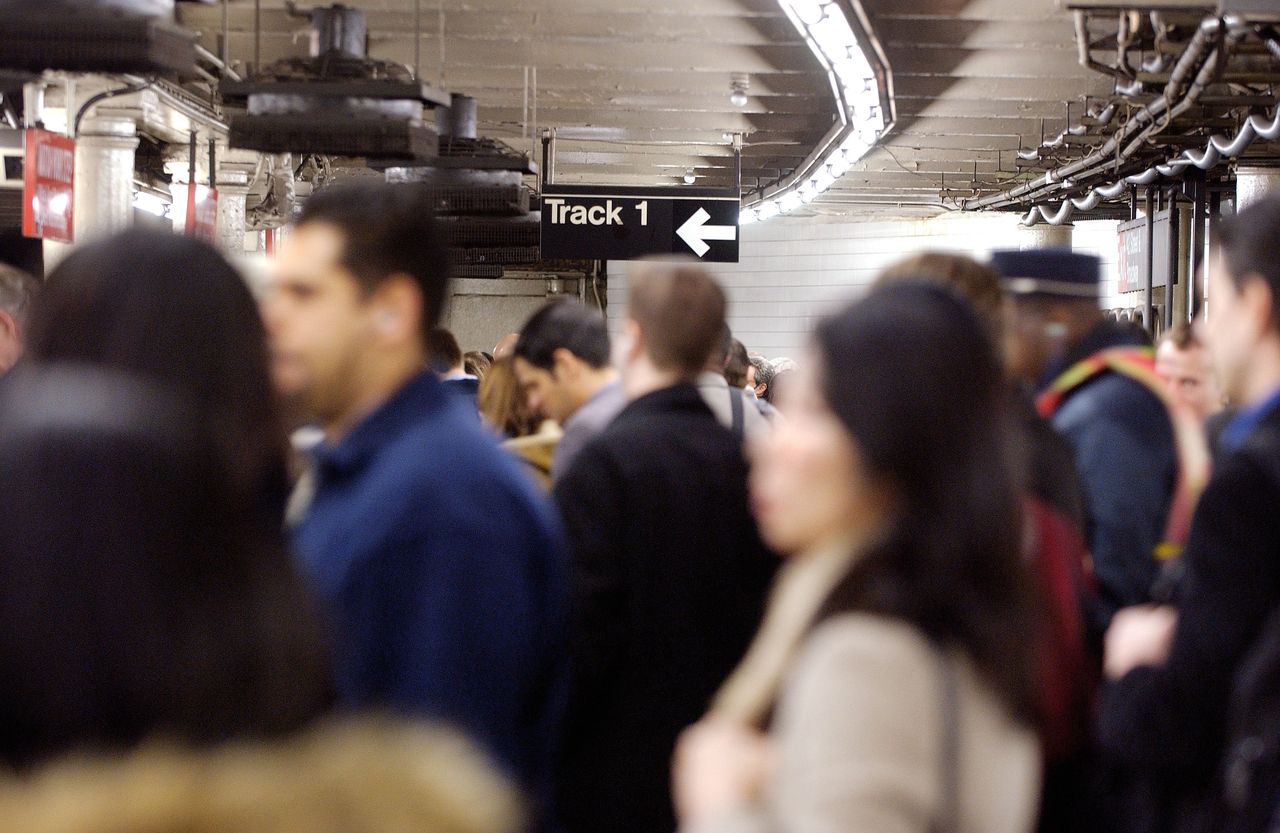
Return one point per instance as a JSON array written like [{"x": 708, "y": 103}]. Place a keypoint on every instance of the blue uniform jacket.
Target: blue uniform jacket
[
  {"x": 1122, "y": 443},
  {"x": 444, "y": 575}
]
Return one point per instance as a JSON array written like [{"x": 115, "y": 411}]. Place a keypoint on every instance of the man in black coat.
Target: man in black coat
[
  {"x": 1166, "y": 715},
  {"x": 669, "y": 573}
]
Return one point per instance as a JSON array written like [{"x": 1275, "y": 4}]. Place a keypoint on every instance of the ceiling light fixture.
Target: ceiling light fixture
[
  {"x": 856, "y": 73},
  {"x": 738, "y": 87},
  {"x": 690, "y": 177}
]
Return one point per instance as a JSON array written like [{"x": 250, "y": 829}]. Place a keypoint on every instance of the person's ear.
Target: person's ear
[
  {"x": 635, "y": 340},
  {"x": 9, "y": 327},
  {"x": 563, "y": 364},
  {"x": 396, "y": 308},
  {"x": 1257, "y": 304},
  {"x": 760, "y": 389}
]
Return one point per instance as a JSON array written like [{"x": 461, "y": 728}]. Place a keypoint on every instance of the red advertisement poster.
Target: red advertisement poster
[
  {"x": 48, "y": 190},
  {"x": 202, "y": 212}
]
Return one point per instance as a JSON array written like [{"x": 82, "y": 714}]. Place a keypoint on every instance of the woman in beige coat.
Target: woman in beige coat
[{"x": 889, "y": 689}]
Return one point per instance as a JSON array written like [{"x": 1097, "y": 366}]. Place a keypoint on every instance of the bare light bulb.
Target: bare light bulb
[
  {"x": 689, "y": 177},
  {"x": 738, "y": 98}
]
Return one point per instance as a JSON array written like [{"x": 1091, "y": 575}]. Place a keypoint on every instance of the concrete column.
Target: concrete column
[
  {"x": 104, "y": 177},
  {"x": 1254, "y": 183},
  {"x": 231, "y": 212},
  {"x": 1045, "y": 236}
]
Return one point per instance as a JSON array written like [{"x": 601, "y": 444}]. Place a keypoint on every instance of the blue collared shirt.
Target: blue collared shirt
[
  {"x": 1245, "y": 422},
  {"x": 444, "y": 576}
]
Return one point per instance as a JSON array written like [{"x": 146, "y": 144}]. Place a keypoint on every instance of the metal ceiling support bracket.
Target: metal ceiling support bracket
[
  {"x": 1175, "y": 263},
  {"x": 1148, "y": 318},
  {"x": 1198, "y": 182},
  {"x": 548, "y": 157}
]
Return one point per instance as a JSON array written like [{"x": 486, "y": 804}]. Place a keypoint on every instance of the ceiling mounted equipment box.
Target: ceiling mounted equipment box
[
  {"x": 334, "y": 135},
  {"x": 338, "y": 101},
  {"x": 373, "y": 118},
  {"x": 93, "y": 37}
]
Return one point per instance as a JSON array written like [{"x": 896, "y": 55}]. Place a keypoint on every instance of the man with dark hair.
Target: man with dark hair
[
  {"x": 669, "y": 574},
  {"x": 1097, "y": 387},
  {"x": 735, "y": 369},
  {"x": 1179, "y": 674},
  {"x": 17, "y": 289},
  {"x": 562, "y": 362},
  {"x": 444, "y": 356},
  {"x": 441, "y": 567}
]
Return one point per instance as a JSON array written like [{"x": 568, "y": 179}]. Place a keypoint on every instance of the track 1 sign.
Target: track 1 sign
[{"x": 605, "y": 222}]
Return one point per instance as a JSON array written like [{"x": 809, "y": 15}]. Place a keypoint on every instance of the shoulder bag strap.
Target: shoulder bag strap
[
  {"x": 737, "y": 408},
  {"x": 947, "y": 819}
]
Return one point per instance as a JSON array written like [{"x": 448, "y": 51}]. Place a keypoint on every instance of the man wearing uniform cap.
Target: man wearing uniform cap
[{"x": 1095, "y": 382}]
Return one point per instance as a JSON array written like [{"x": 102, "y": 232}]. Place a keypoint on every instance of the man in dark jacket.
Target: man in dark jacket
[
  {"x": 440, "y": 567},
  {"x": 669, "y": 574},
  {"x": 1166, "y": 714},
  {"x": 1118, "y": 428}
]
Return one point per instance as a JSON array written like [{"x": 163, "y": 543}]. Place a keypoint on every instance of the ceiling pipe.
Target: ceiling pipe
[
  {"x": 1218, "y": 148},
  {"x": 1197, "y": 62}
]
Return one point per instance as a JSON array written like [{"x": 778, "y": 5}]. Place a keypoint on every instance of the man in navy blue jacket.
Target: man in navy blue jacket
[
  {"x": 442, "y": 568},
  {"x": 1119, "y": 430}
]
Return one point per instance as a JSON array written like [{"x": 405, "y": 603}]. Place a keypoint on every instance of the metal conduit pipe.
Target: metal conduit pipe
[
  {"x": 217, "y": 62},
  {"x": 1102, "y": 117},
  {"x": 1254, "y": 127},
  {"x": 1191, "y": 62},
  {"x": 1218, "y": 148}
]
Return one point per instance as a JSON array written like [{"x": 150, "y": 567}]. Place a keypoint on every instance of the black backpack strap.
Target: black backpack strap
[{"x": 738, "y": 409}]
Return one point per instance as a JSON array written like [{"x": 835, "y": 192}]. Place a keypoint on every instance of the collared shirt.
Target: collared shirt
[
  {"x": 442, "y": 571},
  {"x": 586, "y": 424},
  {"x": 1244, "y": 423}
]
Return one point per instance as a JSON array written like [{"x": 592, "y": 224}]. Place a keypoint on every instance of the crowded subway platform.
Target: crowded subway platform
[{"x": 807, "y": 416}]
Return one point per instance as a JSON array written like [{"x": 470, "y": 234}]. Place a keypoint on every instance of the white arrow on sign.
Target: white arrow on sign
[{"x": 695, "y": 234}]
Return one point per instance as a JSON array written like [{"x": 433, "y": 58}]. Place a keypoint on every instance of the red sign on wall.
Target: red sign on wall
[
  {"x": 48, "y": 189},
  {"x": 202, "y": 212}
]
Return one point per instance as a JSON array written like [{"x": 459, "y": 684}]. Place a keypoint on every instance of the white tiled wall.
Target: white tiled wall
[{"x": 792, "y": 272}]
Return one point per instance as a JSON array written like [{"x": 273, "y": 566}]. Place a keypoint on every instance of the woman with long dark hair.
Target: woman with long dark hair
[
  {"x": 145, "y": 586},
  {"x": 172, "y": 310},
  {"x": 890, "y": 687}
]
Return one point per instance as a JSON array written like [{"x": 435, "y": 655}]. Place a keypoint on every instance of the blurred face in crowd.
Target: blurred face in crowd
[
  {"x": 1239, "y": 319},
  {"x": 555, "y": 393},
  {"x": 808, "y": 484},
  {"x": 1027, "y": 351},
  {"x": 329, "y": 338},
  {"x": 1188, "y": 374}
]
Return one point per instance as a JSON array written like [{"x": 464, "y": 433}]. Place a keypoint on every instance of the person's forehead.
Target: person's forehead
[
  {"x": 314, "y": 245},
  {"x": 1172, "y": 356}
]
